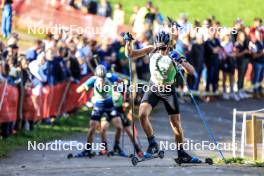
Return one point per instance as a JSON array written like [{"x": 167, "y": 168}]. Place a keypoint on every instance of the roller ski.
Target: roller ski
[
  {"x": 194, "y": 160},
  {"x": 184, "y": 158},
  {"x": 83, "y": 154},
  {"x": 152, "y": 153}
]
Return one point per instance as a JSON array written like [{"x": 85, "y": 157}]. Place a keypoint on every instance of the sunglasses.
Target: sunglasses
[{"x": 163, "y": 48}]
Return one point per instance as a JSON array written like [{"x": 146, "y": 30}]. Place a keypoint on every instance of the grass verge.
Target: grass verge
[
  {"x": 62, "y": 128},
  {"x": 239, "y": 161}
]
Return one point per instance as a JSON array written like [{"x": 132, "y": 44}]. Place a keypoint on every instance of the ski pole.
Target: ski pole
[
  {"x": 132, "y": 101},
  {"x": 201, "y": 116},
  {"x": 63, "y": 98}
]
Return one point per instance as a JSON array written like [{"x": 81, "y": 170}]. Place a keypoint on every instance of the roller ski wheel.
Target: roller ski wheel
[
  {"x": 134, "y": 160},
  {"x": 69, "y": 156},
  {"x": 209, "y": 161},
  {"x": 161, "y": 154}
]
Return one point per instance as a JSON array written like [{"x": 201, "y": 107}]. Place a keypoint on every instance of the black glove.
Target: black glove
[
  {"x": 127, "y": 36},
  {"x": 173, "y": 23}
]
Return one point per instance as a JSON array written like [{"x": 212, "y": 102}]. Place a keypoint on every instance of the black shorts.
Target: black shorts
[
  {"x": 124, "y": 119},
  {"x": 169, "y": 99},
  {"x": 105, "y": 109}
]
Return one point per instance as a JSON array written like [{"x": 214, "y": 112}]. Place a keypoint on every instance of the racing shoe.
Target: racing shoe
[
  {"x": 152, "y": 149},
  {"x": 85, "y": 153},
  {"x": 186, "y": 158},
  {"x": 117, "y": 149}
]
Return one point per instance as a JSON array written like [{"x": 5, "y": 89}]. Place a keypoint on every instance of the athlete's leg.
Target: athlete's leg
[
  {"x": 144, "y": 112},
  {"x": 134, "y": 141},
  {"x": 93, "y": 126},
  {"x": 175, "y": 121},
  {"x": 91, "y": 131},
  {"x": 103, "y": 130},
  {"x": 129, "y": 133},
  {"x": 118, "y": 125}
]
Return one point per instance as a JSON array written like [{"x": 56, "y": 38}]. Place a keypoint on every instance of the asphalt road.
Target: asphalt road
[{"x": 218, "y": 114}]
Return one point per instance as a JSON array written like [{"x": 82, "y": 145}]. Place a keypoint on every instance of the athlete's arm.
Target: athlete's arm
[
  {"x": 86, "y": 85},
  {"x": 134, "y": 54},
  {"x": 181, "y": 60},
  {"x": 188, "y": 68},
  {"x": 81, "y": 88}
]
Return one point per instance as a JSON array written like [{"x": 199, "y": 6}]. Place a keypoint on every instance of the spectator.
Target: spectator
[
  {"x": 257, "y": 25},
  {"x": 119, "y": 15},
  {"x": 228, "y": 66},
  {"x": 32, "y": 53},
  {"x": 2, "y": 71},
  {"x": 139, "y": 23},
  {"x": 134, "y": 14},
  {"x": 53, "y": 67},
  {"x": 212, "y": 50},
  {"x": 242, "y": 55},
  {"x": 256, "y": 46},
  {"x": 85, "y": 51},
  {"x": 2, "y": 48},
  {"x": 72, "y": 62},
  {"x": 7, "y": 13},
  {"x": 12, "y": 77},
  {"x": 25, "y": 78},
  {"x": 106, "y": 54},
  {"x": 92, "y": 7},
  {"x": 186, "y": 26},
  {"x": 197, "y": 55},
  {"x": 150, "y": 16},
  {"x": 39, "y": 79},
  {"x": 11, "y": 50},
  {"x": 82, "y": 63},
  {"x": 104, "y": 9}
]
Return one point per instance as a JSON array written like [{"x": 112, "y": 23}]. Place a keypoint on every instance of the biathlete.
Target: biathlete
[
  {"x": 103, "y": 105},
  {"x": 163, "y": 61},
  {"x": 118, "y": 104}
]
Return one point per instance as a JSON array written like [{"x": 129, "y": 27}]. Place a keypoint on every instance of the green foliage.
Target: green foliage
[{"x": 226, "y": 11}]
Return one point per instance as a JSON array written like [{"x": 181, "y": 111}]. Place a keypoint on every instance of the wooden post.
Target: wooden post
[
  {"x": 234, "y": 133},
  {"x": 254, "y": 137},
  {"x": 243, "y": 135},
  {"x": 262, "y": 140}
]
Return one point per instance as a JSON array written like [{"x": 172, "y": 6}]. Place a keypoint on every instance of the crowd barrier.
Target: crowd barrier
[
  {"x": 41, "y": 14},
  {"x": 52, "y": 101}
]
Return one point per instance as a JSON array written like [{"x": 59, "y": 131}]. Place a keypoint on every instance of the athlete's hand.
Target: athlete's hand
[
  {"x": 176, "y": 57},
  {"x": 127, "y": 36}
]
